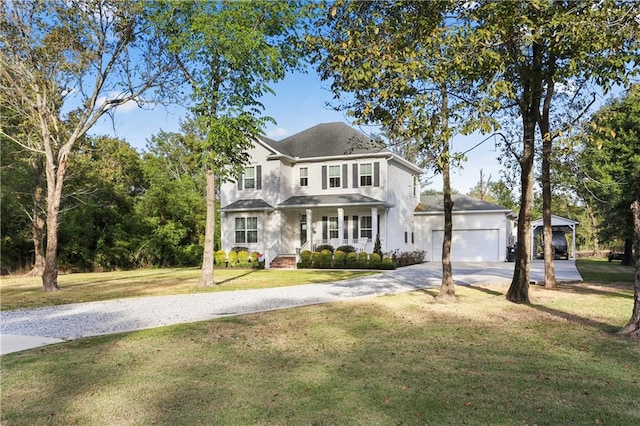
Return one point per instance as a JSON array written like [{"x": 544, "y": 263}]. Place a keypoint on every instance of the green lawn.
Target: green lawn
[
  {"x": 21, "y": 292},
  {"x": 400, "y": 359}
]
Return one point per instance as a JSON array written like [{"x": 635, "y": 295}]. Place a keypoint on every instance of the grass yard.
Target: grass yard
[
  {"x": 21, "y": 292},
  {"x": 400, "y": 359}
]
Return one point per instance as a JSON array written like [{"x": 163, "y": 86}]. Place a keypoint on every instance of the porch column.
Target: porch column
[
  {"x": 340, "y": 226},
  {"x": 374, "y": 223},
  {"x": 310, "y": 228}
]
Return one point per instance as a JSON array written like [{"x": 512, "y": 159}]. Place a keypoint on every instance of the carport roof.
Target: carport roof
[{"x": 461, "y": 203}]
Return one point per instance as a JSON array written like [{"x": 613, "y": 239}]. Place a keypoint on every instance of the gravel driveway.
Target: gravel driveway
[{"x": 26, "y": 328}]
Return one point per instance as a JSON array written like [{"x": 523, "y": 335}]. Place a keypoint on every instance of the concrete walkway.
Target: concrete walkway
[{"x": 30, "y": 328}]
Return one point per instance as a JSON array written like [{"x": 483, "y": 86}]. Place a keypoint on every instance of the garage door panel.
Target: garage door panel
[{"x": 471, "y": 245}]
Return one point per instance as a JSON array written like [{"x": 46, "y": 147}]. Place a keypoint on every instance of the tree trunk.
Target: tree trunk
[
  {"x": 206, "y": 274},
  {"x": 519, "y": 289},
  {"x": 55, "y": 180},
  {"x": 549, "y": 268},
  {"x": 37, "y": 222},
  {"x": 633, "y": 326},
  {"x": 447, "y": 287},
  {"x": 627, "y": 259}
]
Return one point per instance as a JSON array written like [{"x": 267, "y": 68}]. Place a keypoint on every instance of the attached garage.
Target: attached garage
[
  {"x": 469, "y": 245},
  {"x": 481, "y": 230}
]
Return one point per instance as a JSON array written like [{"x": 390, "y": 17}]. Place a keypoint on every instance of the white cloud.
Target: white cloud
[{"x": 278, "y": 132}]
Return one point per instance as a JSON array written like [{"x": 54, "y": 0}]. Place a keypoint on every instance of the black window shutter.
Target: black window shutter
[
  {"x": 325, "y": 228},
  {"x": 405, "y": 237},
  {"x": 355, "y": 175},
  {"x": 346, "y": 227},
  {"x": 355, "y": 227},
  {"x": 258, "y": 177},
  {"x": 240, "y": 179},
  {"x": 324, "y": 177},
  {"x": 376, "y": 173},
  {"x": 345, "y": 172}
]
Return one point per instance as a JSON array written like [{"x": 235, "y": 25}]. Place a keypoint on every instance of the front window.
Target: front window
[
  {"x": 304, "y": 176},
  {"x": 249, "y": 177},
  {"x": 366, "y": 227},
  {"x": 334, "y": 176},
  {"x": 366, "y": 174},
  {"x": 333, "y": 227},
  {"x": 246, "y": 230}
]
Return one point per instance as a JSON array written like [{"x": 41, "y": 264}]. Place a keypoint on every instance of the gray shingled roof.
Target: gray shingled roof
[
  {"x": 327, "y": 140},
  {"x": 299, "y": 201},
  {"x": 247, "y": 205},
  {"x": 435, "y": 203}
]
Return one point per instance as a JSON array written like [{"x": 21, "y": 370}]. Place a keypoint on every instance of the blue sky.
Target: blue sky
[{"x": 298, "y": 104}]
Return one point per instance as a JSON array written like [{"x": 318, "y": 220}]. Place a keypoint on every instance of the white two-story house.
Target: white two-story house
[{"x": 329, "y": 184}]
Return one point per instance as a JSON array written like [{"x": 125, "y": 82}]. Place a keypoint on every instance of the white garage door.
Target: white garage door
[{"x": 469, "y": 245}]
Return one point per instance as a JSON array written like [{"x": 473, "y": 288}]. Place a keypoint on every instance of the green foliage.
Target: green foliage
[
  {"x": 339, "y": 259},
  {"x": 377, "y": 247},
  {"x": 352, "y": 260},
  {"x": 220, "y": 257},
  {"x": 363, "y": 259},
  {"x": 325, "y": 260},
  {"x": 315, "y": 259},
  {"x": 243, "y": 257},
  {"x": 375, "y": 261},
  {"x": 388, "y": 264},
  {"x": 232, "y": 258},
  {"x": 609, "y": 165}
]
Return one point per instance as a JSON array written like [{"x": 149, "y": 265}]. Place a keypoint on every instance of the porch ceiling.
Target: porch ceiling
[{"x": 336, "y": 200}]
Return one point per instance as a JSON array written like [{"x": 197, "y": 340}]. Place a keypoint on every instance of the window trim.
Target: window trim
[
  {"x": 366, "y": 179},
  {"x": 251, "y": 179},
  {"x": 304, "y": 179},
  {"x": 366, "y": 231},
  {"x": 334, "y": 179},
  {"x": 249, "y": 235}
]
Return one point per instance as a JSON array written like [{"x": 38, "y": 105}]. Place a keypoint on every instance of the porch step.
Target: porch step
[{"x": 284, "y": 261}]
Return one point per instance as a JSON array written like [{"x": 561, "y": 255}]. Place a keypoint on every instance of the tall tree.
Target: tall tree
[
  {"x": 608, "y": 167},
  {"x": 542, "y": 44},
  {"x": 399, "y": 65},
  {"x": 63, "y": 65},
  {"x": 229, "y": 52}
]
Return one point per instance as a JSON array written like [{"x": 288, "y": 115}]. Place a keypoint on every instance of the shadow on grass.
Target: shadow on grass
[
  {"x": 590, "y": 288},
  {"x": 483, "y": 289},
  {"x": 603, "y": 326},
  {"x": 235, "y": 278}
]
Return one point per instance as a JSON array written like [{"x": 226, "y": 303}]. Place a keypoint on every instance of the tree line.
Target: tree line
[{"x": 421, "y": 71}]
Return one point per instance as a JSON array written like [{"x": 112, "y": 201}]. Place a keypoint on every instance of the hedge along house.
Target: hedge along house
[
  {"x": 329, "y": 184},
  {"x": 481, "y": 230}
]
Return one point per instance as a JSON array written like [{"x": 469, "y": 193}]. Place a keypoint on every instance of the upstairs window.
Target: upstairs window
[
  {"x": 304, "y": 176},
  {"x": 366, "y": 174},
  {"x": 334, "y": 176},
  {"x": 249, "y": 177}
]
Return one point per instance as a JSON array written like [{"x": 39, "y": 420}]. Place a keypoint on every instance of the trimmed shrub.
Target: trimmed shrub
[
  {"x": 339, "y": 259},
  {"x": 346, "y": 249},
  {"x": 305, "y": 259},
  {"x": 239, "y": 249},
  {"x": 387, "y": 263},
  {"x": 352, "y": 260},
  {"x": 315, "y": 259},
  {"x": 233, "y": 258},
  {"x": 324, "y": 247},
  {"x": 374, "y": 261},
  {"x": 243, "y": 257},
  {"x": 325, "y": 260},
  {"x": 220, "y": 257},
  {"x": 363, "y": 259}
]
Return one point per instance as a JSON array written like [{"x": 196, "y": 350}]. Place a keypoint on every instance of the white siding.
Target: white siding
[
  {"x": 426, "y": 224},
  {"x": 400, "y": 218}
]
